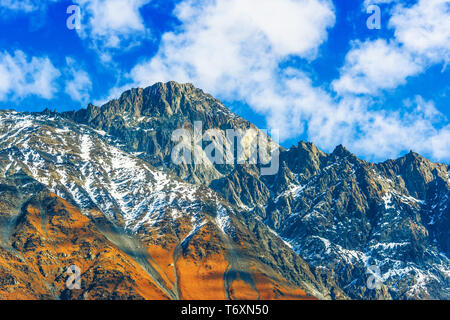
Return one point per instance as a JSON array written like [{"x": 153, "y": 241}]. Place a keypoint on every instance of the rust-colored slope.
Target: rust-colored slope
[
  {"x": 185, "y": 262},
  {"x": 52, "y": 235},
  {"x": 213, "y": 268},
  {"x": 203, "y": 264}
]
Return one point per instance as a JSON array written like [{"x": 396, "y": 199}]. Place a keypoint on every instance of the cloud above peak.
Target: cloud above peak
[
  {"x": 421, "y": 39},
  {"x": 233, "y": 46},
  {"x": 23, "y": 76},
  {"x": 289, "y": 26},
  {"x": 112, "y": 24},
  {"x": 424, "y": 29}
]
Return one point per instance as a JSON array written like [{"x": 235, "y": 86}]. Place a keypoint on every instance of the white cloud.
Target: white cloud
[
  {"x": 21, "y": 76},
  {"x": 374, "y": 65},
  {"x": 78, "y": 85},
  {"x": 112, "y": 23},
  {"x": 422, "y": 38},
  {"x": 424, "y": 29},
  {"x": 232, "y": 48},
  {"x": 380, "y": 134},
  {"x": 439, "y": 144}
]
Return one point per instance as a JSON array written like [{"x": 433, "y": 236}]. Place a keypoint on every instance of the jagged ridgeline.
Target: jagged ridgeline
[
  {"x": 99, "y": 189},
  {"x": 145, "y": 121}
]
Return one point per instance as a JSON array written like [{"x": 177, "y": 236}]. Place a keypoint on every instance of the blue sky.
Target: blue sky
[{"x": 310, "y": 68}]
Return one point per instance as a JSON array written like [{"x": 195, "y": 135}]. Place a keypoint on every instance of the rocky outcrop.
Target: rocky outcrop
[
  {"x": 350, "y": 217},
  {"x": 144, "y": 120}
]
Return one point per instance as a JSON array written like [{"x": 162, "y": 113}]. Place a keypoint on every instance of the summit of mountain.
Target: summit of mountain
[{"x": 144, "y": 120}]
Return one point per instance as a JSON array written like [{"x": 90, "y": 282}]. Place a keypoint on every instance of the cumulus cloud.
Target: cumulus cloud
[
  {"x": 233, "y": 49},
  {"x": 112, "y": 23},
  {"x": 78, "y": 84},
  {"x": 21, "y": 76},
  {"x": 374, "y": 65},
  {"x": 221, "y": 42},
  {"x": 422, "y": 38},
  {"x": 424, "y": 29}
]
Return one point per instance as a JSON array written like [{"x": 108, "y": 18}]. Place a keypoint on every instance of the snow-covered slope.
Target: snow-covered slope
[{"x": 78, "y": 165}]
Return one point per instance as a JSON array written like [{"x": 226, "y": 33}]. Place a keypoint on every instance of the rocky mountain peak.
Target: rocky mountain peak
[
  {"x": 144, "y": 119},
  {"x": 162, "y": 100},
  {"x": 416, "y": 171},
  {"x": 305, "y": 158},
  {"x": 342, "y": 152}
]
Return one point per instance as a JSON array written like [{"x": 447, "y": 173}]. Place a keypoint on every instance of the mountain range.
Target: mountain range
[{"x": 98, "y": 189}]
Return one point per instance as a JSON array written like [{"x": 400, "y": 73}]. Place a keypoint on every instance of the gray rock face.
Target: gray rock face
[
  {"x": 144, "y": 120},
  {"x": 351, "y": 216}
]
